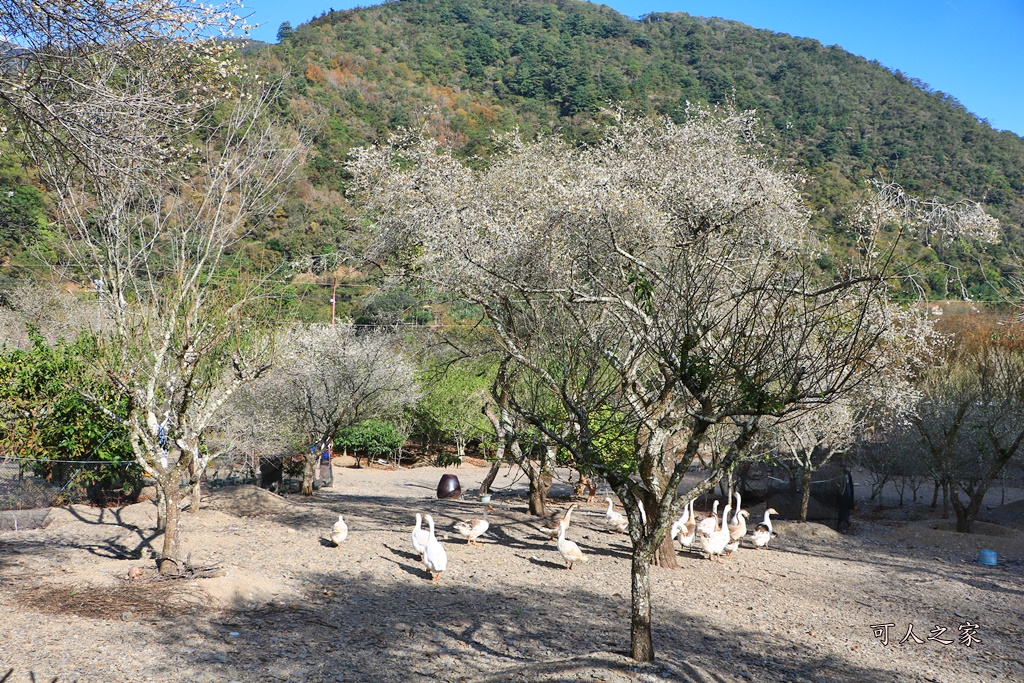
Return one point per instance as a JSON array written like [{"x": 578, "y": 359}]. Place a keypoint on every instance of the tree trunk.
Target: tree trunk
[
  {"x": 665, "y": 555},
  {"x": 964, "y": 514},
  {"x": 935, "y": 495},
  {"x": 580, "y": 486},
  {"x": 308, "y": 472},
  {"x": 805, "y": 495},
  {"x": 488, "y": 481},
  {"x": 460, "y": 449},
  {"x": 541, "y": 479},
  {"x": 540, "y": 484},
  {"x": 169, "y": 561},
  {"x": 945, "y": 500},
  {"x": 964, "y": 521},
  {"x": 641, "y": 641},
  {"x": 196, "y": 478},
  {"x": 161, "y": 507},
  {"x": 327, "y": 464}
]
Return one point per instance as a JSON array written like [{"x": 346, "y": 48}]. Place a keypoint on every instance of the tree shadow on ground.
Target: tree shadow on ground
[
  {"x": 921, "y": 565},
  {"x": 369, "y": 627},
  {"x": 118, "y": 545},
  {"x": 413, "y": 630}
]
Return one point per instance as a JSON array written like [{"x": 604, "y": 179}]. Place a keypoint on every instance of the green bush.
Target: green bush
[
  {"x": 58, "y": 412},
  {"x": 372, "y": 438}
]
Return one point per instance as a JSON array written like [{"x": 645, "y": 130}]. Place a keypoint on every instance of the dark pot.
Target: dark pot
[{"x": 449, "y": 487}]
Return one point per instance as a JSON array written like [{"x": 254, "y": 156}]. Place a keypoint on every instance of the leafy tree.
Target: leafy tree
[
  {"x": 22, "y": 217},
  {"x": 49, "y": 415},
  {"x": 451, "y": 404}
]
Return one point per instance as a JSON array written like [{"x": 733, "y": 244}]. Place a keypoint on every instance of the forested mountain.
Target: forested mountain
[
  {"x": 489, "y": 65},
  {"x": 472, "y": 67}
]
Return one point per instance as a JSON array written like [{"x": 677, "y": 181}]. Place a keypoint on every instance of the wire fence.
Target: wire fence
[
  {"x": 28, "y": 485},
  {"x": 21, "y": 488},
  {"x": 25, "y": 498}
]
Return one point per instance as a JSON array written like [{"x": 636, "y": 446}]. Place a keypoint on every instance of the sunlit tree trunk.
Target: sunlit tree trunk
[
  {"x": 196, "y": 479},
  {"x": 170, "y": 561},
  {"x": 161, "y": 506},
  {"x": 641, "y": 642}
]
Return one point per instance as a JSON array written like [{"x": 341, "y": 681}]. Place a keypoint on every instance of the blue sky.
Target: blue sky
[{"x": 971, "y": 49}]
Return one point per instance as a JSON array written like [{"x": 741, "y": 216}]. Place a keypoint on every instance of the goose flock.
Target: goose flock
[
  {"x": 712, "y": 535},
  {"x": 716, "y": 536}
]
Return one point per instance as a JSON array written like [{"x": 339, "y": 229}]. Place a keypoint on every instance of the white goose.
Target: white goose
[
  {"x": 689, "y": 531},
  {"x": 339, "y": 532},
  {"x": 714, "y": 544},
  {"x": 708, "y": 525},
  {"x": 569, "y": 551},
  {"x": 680, "y": 524},
  {"x": 737, "y": 526},
  {"x": 763, "y": 531},
  {"x": 420, "y": 536},
  {"x": 616, "y": 520},
  {"x": 473, "y": 529},
  {"x": 434, "y": 557}
]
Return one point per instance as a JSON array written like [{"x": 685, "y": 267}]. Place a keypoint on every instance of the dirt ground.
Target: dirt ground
[{"x": 283, "y": 605}]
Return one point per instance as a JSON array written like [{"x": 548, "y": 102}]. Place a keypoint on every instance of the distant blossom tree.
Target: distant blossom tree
[
  {"x": 809, "y": 440},
  {"x": 330, "y": 377},
  {"x": 969, "y": 423}
]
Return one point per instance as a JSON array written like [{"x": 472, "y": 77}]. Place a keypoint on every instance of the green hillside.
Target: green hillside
[{"x": 470, "y": 67}]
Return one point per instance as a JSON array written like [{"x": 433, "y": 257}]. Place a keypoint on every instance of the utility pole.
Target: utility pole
[{"x": 334, "y": 300}]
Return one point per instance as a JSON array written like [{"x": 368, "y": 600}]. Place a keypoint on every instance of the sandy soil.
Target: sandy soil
[{"x": 286, "y": 606}]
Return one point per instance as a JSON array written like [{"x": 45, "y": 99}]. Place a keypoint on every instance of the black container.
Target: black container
[{"x": 449, "y": 487}]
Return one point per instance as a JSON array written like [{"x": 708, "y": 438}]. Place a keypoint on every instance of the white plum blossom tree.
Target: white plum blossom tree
[
  {"x": 657, "y": 283},
  {"x": 809, "y": 440},
  {"x": 160, "y": 153},
  {"x": 333, "y": 376},
  {"x": 968, "y": 423}
]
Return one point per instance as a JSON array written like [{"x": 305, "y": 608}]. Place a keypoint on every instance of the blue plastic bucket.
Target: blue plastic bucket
[{"x": 988, "y": 557}]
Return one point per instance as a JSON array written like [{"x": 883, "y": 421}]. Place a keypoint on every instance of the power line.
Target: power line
[{"x": 116, "y": 463}]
